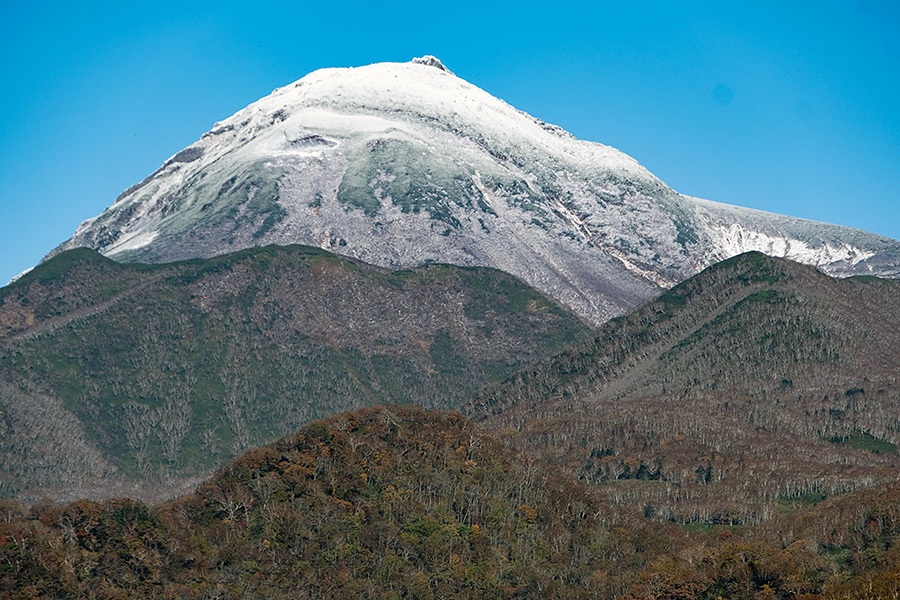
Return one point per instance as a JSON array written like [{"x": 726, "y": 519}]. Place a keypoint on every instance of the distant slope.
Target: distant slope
[
  {"x": 114, "y": 376},
  {"x": 400, "y": 165},
  {"x": 755, "y": 382}
]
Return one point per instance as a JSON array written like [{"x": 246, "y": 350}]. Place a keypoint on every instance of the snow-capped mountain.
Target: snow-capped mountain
[{"x": 404, "y": 164}]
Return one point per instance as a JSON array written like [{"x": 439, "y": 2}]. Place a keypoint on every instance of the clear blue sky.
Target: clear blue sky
[{"x": 792, "y": 107}]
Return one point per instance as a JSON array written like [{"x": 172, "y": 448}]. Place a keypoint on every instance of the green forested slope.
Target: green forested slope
[
  {"x": 150, "y": 375},
  {"x": 754, "y": 383}
]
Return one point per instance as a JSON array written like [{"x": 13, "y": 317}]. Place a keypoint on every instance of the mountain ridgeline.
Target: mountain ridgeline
[
  {"x": 400, "y": 165},
  {"x": 753, "y": 384},
  {"x": 134, "y": 379}
]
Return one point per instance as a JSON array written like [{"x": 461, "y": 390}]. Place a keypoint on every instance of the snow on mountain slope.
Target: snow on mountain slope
[
  {"x": 839, "y": 251},
  {"x": 405, "y": 164}
]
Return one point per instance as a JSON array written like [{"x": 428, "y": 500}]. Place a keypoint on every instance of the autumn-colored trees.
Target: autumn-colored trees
[
  {"x": 753, "y": 385},
  {"x": 382, "y": 502},
  {"x": 393, "y": 502}
]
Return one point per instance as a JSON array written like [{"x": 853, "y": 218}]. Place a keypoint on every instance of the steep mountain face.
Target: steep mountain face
[
  {"x": 753, "y": 385},
  {"x": 404, "y": 164},
  {"x": 133, "y": 379}
]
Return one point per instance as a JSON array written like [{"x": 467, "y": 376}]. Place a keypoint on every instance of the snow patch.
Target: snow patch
[
  {"x": 734, "y": 239},
  {"x": 20, "y": 275},
  {"x": 131, "y": 242}
]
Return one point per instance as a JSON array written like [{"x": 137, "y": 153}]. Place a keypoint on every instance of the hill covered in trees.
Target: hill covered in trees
[
  {"x": 375, "y": 503},
  {"x": 128, "y": 379},
  {"x": 735, "y": 438},
  {"x": 755, "y": 387},
  {"x": 388, "y": 502}
]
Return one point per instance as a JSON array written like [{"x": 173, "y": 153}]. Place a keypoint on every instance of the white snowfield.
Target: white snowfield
[{"x": 402, "y": 164}]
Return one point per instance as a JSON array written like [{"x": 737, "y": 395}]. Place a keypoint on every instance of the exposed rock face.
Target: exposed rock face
[
  {"x": 405, "y": 164},
  {"x": 431, "y": 61}
]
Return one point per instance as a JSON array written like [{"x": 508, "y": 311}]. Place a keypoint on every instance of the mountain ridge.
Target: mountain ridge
[
  {"x": 144, "y": 377},
  {"x": 754, "y": 382}
]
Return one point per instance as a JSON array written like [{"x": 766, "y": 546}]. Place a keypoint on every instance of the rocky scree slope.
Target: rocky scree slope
[
  {"x": 135, "y": 379},
  {"x": 400, "y": 165},
  {"x": 755, "y": 383}
]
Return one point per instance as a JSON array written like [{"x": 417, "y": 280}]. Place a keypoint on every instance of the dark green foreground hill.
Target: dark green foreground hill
[
  {"x": 125, "y": 379},
  {"x": 754, "y": 387}
]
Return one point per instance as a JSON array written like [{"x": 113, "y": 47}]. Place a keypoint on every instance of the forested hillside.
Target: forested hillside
[
  {"x": 755, "y": 387},
  {"x": 377, "y": 503},
  {"x": 390, "y": 502},
  {"x": 735, "y": 438},
  {"x": 131, "y": 379}
]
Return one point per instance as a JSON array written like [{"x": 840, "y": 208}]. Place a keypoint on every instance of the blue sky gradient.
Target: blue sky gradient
[{"x": 788, "y": 107}]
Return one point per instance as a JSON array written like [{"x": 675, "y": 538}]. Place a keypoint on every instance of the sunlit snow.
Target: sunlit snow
[{"x": 401, "y": 164}]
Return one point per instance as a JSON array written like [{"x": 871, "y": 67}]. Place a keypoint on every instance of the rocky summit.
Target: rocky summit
[{"x": 401, "y": 165}]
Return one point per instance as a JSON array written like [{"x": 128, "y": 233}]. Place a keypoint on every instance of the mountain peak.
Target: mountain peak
[
  {"x": 431, "y": 61},
  {"x": 401, "y": 166}
]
